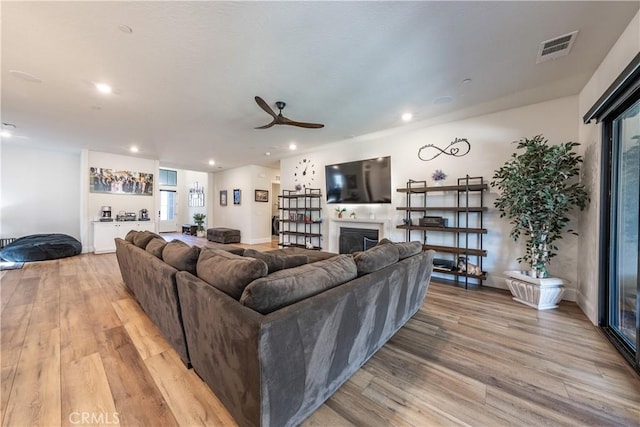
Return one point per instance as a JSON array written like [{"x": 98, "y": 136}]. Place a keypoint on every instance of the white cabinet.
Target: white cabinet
[{"x": 104, "y": 233}]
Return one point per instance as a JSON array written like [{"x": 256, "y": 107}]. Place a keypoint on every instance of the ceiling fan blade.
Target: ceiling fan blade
[
  {"x": 265, "y": 107},
  {"x": 285, "y": 121},
  {"x": 268, "y": 125}
]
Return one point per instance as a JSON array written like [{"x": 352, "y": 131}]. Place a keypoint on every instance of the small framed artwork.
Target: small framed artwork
[
  {"x": 223, "y": 197},
  {"x": 262, "y": 196},
  {"x": 236, "y": 196},
  {"x": 300, "y": 218}
]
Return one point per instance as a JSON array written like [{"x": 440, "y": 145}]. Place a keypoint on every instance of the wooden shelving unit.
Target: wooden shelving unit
[
  {"x": 300, "y": 220},
  {"x": 462, "y": 205}
]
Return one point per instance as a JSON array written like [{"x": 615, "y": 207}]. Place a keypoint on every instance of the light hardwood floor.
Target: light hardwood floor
[{"x": 78, "y": 350}]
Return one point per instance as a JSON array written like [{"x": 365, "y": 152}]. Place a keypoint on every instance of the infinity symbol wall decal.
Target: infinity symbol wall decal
[{"x": 449, "y": 150}]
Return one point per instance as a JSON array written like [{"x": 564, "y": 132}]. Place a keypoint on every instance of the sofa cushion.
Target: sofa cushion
[
  {"x": 155, "y": 247},
  {"x": 277, "y": 262},
  {"x": 181, "y": 256},
  {"x": 312, "y": 254},
  {"x": 286, "y": 287},
  {"x": 405, "y": 249},
  {"x": 226, "y": 247},
  {"x": 142, "y": 238},
  {"x": 376, "y": 258},
  {"x": 229, "y": 272},
  {"x": 131, "y": 235}
]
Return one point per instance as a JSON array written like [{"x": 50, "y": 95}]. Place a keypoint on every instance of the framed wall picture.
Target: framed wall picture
[
  {"x": 236, "y": 196},
  {"x": 115, "y": 181},
  {"x": 262, "y": 196},
  {"x": 223, "y": 197}
]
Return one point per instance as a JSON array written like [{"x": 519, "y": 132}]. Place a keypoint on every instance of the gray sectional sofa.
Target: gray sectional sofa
[{"x": 275, "y": 334}]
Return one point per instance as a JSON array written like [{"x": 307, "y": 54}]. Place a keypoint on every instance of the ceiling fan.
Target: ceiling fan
[{"x": 279, "y": 119}]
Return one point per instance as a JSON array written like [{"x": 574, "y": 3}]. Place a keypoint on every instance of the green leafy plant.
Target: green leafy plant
[
  {"x": 537, "y": 190},
  {"x": 198, "y": 218}
]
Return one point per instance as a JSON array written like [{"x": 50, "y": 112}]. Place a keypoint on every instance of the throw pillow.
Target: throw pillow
[
  {"x": 384, "y": 241},
  {"x": 228, "y": 272},
  {"x": 155, "y": 247},
  {"x": 277, "y": 262},
  {"x": 376, "y": 258},
  {"x": 286, "y": 287},
  {"x": 181, "y": 256}
]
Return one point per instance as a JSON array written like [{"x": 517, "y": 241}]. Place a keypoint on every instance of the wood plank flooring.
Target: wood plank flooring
[{"x": 78, "y": 350}]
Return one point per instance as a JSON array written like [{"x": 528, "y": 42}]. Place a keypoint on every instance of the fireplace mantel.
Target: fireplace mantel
[{"x": 382, "y": 225}]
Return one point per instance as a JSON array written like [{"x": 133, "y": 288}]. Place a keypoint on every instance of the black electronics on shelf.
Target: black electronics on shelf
[
  {"x": 300, "y": 219},
  {"x": 453, "y": 227}
]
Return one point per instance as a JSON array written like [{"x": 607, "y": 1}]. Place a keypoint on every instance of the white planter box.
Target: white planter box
[{"x": 541, "y": 294}]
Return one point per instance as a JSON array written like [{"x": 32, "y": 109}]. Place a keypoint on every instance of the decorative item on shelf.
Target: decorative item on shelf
[
  {"x": 458, "y": 148},
  {"x": 317, "y": 220},
  {"x": 308, "y": 245},
  {"x": 198, "y": 218},
  {"x": 433, "y": 221},
  {"x": 352, "y": 215},
  {"x": 298, "y": 188},
  {"x": 546, "y": 174},
  {"x": 340, "y": 211},
  {"x": 466, "y": 267},
  {"x": 438, "y": 177},
  {"x": 196, "y": 196},
  {"x": 406, "y": 221}
]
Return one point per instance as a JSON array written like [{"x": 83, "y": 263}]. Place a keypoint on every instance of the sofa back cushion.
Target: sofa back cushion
[
  {"x": 229, "y": 272},
  {"x": 376, "y": 258},
  {"x": 155, "y": 247},
  {"x": 142, "y": 238},
  {"x": 277, "y": 262},
  {"x": 130, "y": 235},
  {"x": 286, "y": 287},
  {"x": 181, "y": 256},
  {"x": 405, "y": 249}
]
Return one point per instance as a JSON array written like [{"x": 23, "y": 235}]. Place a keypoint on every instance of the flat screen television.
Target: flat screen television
[{"x": 360, "y": 182}]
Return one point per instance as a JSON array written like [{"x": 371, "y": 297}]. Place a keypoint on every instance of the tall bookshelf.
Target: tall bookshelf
[
  {"x": 462, "y": 207},
  {"x": 300, "y": 219}
]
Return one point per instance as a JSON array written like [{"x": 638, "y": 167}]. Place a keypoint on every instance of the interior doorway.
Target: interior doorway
[{"x": 167, "y": 216}]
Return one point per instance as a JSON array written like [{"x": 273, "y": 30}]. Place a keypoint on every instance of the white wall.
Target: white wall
[
  {"x": 590, "y": 135},
  {"x": 252, "y": 218},
  {"x": 490, "y": 137},
  {"x": 40, "y": 191},
  {"x": 118, "y": 202}
]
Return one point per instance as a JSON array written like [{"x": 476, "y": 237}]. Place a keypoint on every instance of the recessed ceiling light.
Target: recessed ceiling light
[
  {"x": 268, "y": 153},
  {"x": 134, "y": 149},
  {"x": 211, "y": 162},
  {"x": 466, "y": 81},
  {"x": 406, "y": 117},
  {"x": 443, "y": 100},
  {"x": 103, "y": 88},
  {"x": 125, "y": 29},
  {"x": 292, "y": 146},
  {"x": 5, "y": 133},
  {"x": 25, "y": 76}
]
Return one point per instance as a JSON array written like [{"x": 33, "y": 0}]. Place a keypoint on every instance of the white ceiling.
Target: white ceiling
[{"x": 185, "y": 79}]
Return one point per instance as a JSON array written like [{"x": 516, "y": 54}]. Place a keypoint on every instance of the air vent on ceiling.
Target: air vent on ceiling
[{"x": 556, "y": 47}]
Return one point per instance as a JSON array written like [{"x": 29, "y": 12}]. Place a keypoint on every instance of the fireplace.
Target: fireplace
[{"x": 356, "y": 239}]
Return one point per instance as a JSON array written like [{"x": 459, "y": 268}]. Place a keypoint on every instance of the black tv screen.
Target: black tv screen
[{"x": 364, "y": 181}]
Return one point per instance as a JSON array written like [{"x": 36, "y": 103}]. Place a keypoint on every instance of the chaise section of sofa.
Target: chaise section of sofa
[
  {"x": 153, "y": 283},
  {"x": 275, "y": 369}
]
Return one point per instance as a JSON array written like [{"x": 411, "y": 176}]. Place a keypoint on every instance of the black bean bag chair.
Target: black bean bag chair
[{"x": 41, "y": 247}]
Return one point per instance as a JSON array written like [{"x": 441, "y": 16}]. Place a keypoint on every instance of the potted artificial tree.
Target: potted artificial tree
[
  {"x": 198, "y": 219},
  {"x": 537, "y": 189}
]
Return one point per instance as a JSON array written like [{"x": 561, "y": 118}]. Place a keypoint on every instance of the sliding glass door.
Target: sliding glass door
[{"x": 623, "y": 287}]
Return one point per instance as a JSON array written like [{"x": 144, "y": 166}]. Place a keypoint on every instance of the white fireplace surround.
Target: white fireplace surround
[{"x": 382, "y": 225}]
